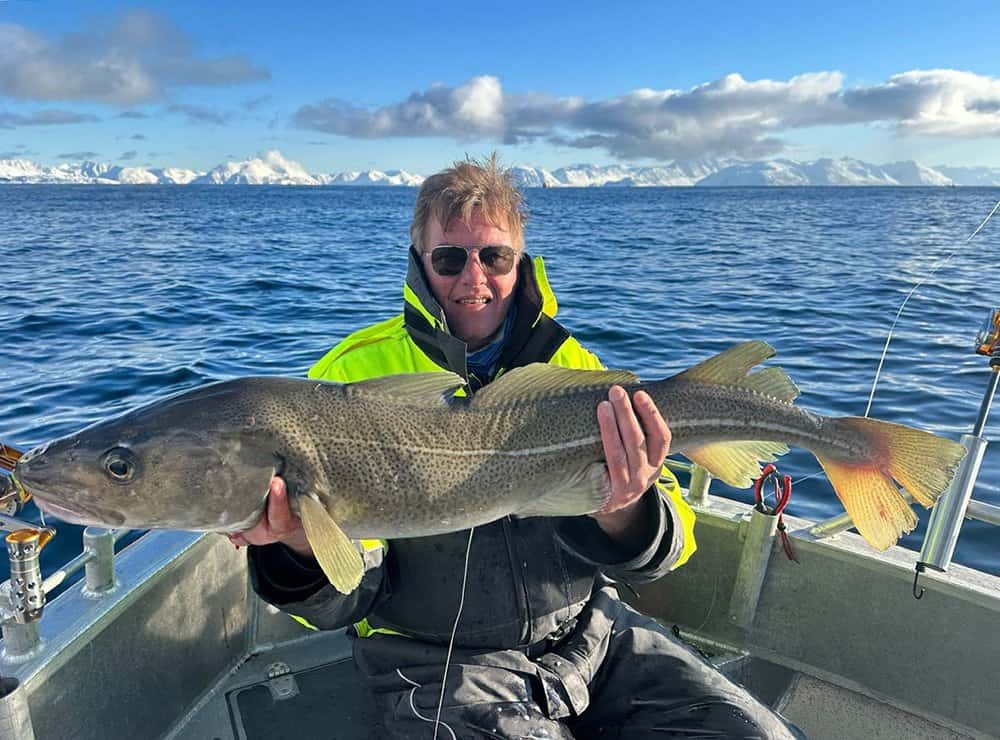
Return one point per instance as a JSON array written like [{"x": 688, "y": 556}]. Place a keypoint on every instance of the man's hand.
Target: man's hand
[
  {"x": 276, "y": 524},
  {"x": 636, "y": 440}
]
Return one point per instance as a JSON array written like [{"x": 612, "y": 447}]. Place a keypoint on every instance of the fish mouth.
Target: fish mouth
[
  {"x": 75, "y": 513},
  {"x": 88, "y": 517}
]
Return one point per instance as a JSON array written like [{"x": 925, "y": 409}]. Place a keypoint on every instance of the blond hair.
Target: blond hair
[{"x": 468, "y": 185}]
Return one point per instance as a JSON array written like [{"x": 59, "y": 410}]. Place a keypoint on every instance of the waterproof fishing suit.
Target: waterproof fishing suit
[{"x": 543, "y": 642}]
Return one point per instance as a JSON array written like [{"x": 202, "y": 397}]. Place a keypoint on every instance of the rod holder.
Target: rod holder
[
  {"x": 948, "y": 514},
  {"x": 698, "y": 486},
  {"x": 15, "y": 718},
  {"x": 99, "y": 572},
  {"x": 752, "y": 569},
  {"x": 27, "y": 598}
]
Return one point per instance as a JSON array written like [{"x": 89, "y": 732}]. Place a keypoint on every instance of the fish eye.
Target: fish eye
[{"x": 119, "y": 463}]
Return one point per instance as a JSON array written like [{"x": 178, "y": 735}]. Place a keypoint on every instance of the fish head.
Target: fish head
[{"x": 189, "y": 462}]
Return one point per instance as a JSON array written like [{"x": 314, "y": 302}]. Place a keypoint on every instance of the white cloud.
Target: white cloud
[
  {"x": 935, "y": 102},
  {"x": 50, "y": 117},
  {"x": 201, "y": 114},
  {"x": 79, "y": 155},
  {"x": 727, "y": 117},
  {"x": 135, "y": 57}
]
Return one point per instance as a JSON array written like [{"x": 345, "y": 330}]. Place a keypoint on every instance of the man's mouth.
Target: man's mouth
[{"x": 474, "y": 301}]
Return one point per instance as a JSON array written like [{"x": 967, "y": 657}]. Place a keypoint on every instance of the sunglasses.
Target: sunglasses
[{"x": 448, "y": 260}]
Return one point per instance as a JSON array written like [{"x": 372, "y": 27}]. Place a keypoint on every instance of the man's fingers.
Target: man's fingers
[
  {"x": 629, "y": 429},
  {"x": 657, "y": 432},
  {"x": 614, "y": 451},
  {"x": 279, "y": 515}
]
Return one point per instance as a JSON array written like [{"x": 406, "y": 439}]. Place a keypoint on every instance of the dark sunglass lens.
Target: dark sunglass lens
[
  {"x": 448, "y": 261},
  {"x": 497, "y": 260}
]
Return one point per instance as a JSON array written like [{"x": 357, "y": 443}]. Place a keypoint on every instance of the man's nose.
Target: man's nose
[{"x": 474, "y": 270}]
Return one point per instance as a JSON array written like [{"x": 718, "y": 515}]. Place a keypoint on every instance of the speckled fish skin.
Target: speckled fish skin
[
  {"x": 388, "y": 464},
  {"x": 381, "y": 465}
]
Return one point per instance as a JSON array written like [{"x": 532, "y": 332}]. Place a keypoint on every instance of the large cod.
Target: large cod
[{"x": 403, "y": 456}]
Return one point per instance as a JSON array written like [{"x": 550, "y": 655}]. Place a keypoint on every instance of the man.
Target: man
[{"x": 542, "y": 644}]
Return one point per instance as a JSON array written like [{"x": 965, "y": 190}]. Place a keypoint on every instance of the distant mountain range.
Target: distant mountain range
[{"x": 271, "y": 168}]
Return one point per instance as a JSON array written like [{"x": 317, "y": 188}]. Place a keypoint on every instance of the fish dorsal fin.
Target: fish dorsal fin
[
  {"x": 335, "y": 553},
  {"x": 540, "y": 379},
  {"x": 773, "y": 382},
  {"x": 729, "y": 367},
  {"x": 736, "y": 463},
  {"x": 421, "y": 389}
]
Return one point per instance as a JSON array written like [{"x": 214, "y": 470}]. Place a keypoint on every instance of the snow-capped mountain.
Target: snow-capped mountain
[
  {"x": 174, "y": 175},
  {"x": 273, "y": 168},
  {"x": 374, "y": 177},
  {"x": 91, "y": 173},
  {"x": 981, "y": 176},
  {"x": 844, "y": 171},
  {"x": 588, "y": 175}
]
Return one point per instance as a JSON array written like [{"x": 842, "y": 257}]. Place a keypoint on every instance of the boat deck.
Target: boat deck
[
  {"x": 308, "y": 687},
  {"x": 303, "y": 689},
  {"x": 182, "y": 648}
]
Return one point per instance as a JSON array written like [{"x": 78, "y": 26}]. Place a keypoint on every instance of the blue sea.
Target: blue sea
[{"x": 114, "y": 296}]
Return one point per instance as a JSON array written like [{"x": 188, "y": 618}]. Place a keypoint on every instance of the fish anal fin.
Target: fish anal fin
[
  {"x": 731, "y": 366},
  {"x": 877, "y": 508},
  {"x": 336, "y": 554},
  {"x": 586, "y": 492},
  {"x": 736, "y": 463},
  {"x": 541, "y": 379}
]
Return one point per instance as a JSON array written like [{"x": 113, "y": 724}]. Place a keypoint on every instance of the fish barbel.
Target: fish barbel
[{"x": 403, "y": 456}]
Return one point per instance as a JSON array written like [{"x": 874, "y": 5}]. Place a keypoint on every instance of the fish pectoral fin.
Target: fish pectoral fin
[
  {"x": 541, "y": 379},
  {"x": 336, "y": 554},
  {"x": 586, "y": 492},
  {"x": 419, "y": 389},
  {"x": 736, "y": 463}
]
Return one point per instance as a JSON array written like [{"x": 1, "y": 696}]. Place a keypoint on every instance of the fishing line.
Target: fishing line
[
  {"x": 451, "y": 641},
  {"x": 413, "y": 706},
  {"x": 942, "y": 263},
  {"x": 888, "y": 339}
]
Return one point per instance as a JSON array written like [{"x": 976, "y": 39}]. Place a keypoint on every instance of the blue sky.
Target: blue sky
[{"x": 548, "y": 84}]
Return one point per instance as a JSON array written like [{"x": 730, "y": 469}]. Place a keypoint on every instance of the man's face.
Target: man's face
[{"x": 474, "y": 303}]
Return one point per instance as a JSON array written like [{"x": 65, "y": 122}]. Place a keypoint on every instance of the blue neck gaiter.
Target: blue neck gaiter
[{"x": 483, "y": 362}]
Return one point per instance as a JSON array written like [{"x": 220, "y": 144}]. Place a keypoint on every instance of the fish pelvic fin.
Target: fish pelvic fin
[
  {"x": 586, "y": 492},
  {"x": 732, "y": 366},
  {"x": 921, "y": 462},
  {"x": 736, "y": 463},
  {"x": 336, "y": 554}
]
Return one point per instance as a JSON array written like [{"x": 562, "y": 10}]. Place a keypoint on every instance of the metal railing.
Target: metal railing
[{"x": 22, "y": 598}]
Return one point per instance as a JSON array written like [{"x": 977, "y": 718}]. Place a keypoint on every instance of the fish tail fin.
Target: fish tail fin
[{"x": 922, "y": 463}]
